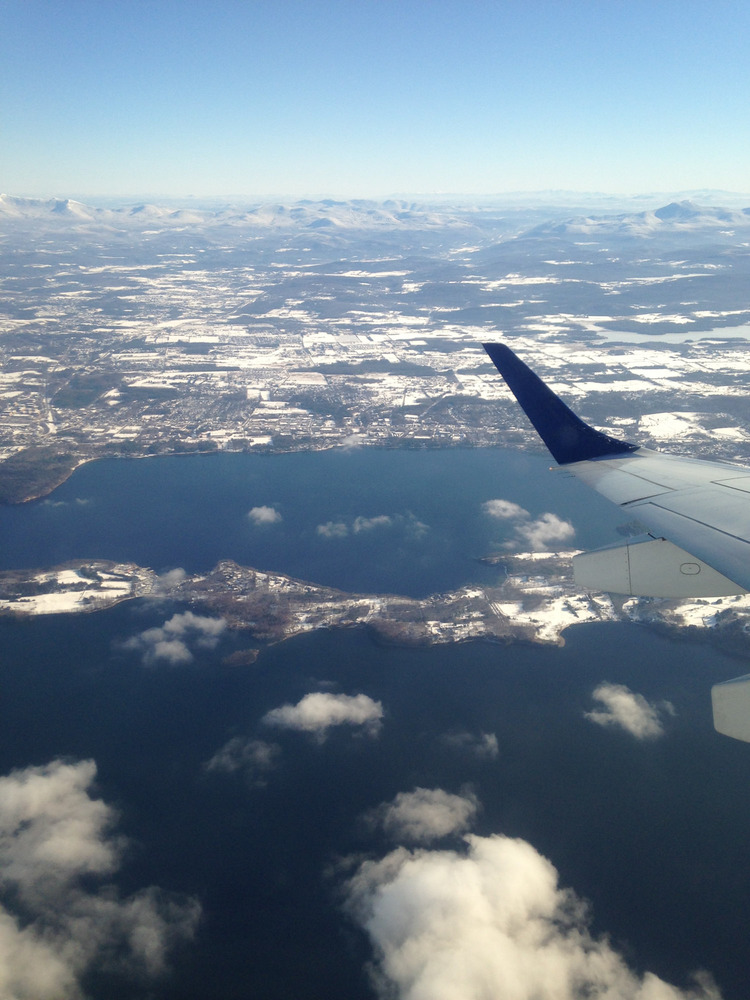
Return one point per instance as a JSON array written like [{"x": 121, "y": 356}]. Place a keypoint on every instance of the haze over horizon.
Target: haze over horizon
[{"x": 371, "y": 100}]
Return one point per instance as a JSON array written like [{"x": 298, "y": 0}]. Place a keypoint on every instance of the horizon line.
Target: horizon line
[{"x": 455, "y": 197}]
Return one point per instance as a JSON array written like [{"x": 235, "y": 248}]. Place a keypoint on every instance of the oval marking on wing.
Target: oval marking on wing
[{"x": 690, "y": 568}]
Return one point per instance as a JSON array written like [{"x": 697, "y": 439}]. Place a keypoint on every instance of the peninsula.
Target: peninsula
[{"x": 536, "y": 603}]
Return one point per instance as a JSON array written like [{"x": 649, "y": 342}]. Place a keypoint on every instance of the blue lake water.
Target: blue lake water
[
  {"x": 190, "y": 512},
  {"x": 655, "y": 834}
]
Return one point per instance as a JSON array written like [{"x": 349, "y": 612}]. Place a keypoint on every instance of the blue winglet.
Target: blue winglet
[{"x": 568, "y": 438}]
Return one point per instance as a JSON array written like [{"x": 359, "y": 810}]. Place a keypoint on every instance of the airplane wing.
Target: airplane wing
[{"x": 697, "y": 516}]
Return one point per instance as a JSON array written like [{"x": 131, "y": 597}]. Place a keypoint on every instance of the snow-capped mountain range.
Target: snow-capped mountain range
[
  {"x": 329, "y": 216},
  {"x": 675, "y": 217}
]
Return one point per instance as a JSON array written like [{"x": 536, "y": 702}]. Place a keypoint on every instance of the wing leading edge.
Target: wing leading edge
[{"x": 697, "y": 514}]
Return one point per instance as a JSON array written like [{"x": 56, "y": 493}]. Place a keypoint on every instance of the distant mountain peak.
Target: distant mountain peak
[
  {"x": 674, "y": 218},
  {"x": 679, "y": 210}
]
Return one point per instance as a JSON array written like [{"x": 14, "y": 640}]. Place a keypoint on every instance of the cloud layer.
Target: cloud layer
[
  {"x": 544, "y": 533},
  {"x": 171, "y": 642},
  {"x": 630, "y": 711},
  {"x": 317, "y": 712},
  {"x": 61, "y": 920},
  {"x": 489, "y": 920}
]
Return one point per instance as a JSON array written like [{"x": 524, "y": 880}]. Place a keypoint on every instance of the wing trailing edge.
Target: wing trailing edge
[{"x": 568, "y": 438}]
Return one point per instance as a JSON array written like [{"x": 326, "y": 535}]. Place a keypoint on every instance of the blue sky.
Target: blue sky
[{"x": 372, "y": 97}]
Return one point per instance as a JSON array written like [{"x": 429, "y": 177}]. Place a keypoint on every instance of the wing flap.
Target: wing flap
[
  {"x": 650, "y": 567},
  {"x": 731, "y": 708}
]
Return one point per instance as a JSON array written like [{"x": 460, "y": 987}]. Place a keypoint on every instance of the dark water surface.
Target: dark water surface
[
  {"x": 193, "y": 511},
  {"x": 655, "y": 835}
]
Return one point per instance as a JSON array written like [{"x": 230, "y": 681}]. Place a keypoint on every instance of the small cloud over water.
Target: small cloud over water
[
  {"x": 253, "y": 758},
  {"x": 546, "y": 532},
  {"x": 627, "y": 710},
  {"x": 333, "y": 529},
  {"x": 407, "y": 523},
  {"x": 505, "y": 510},
  {"x": 541, "y": 534},
  {"x": 425, "y": 814},
  {"x": 78, "y": 502},
  {"x": 171, "y": 642},
  {"x": 340, "y": 529},
  {"x": 482, "y": 745},
  {"x": 319, "y": 711},
  {"x": 264, "y": 515},
  {"x": 370, "y": 523}
]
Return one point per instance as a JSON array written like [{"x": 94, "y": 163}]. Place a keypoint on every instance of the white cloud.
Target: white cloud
[
  {"x": 173, "y": 651},
  {"x": 370, "y": 523},
  {"x": 172, "y": 578},
  {"x": 406, "y": 522},
  {"x": 333, "y": 529},
  {"x": 489, "y": 921},
  {"x": 317, "y": 712},
  {"x": 426, "y": 814},
  {"x": 416, "y": 527},
  {"x": 57, "y": 845},
  {"x": 352, "y": 441},
  {"x": 546, "y": 532},
  {"x": 504, "y": 509},
  {"x": 339, "y": 529},
  {"x": 264, "y": 515},
  {"x": 480, "y": 744},
  {"x": 622, "y": 707},
  {"x": 171, "y": 641},
  {"x": 79, "y": 502},
  {"x": 255, "y": 758},
  {"x": 539, "y": 534}
]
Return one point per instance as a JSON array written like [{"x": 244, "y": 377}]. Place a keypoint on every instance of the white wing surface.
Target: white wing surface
[{"x": 703, "y": 508}]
